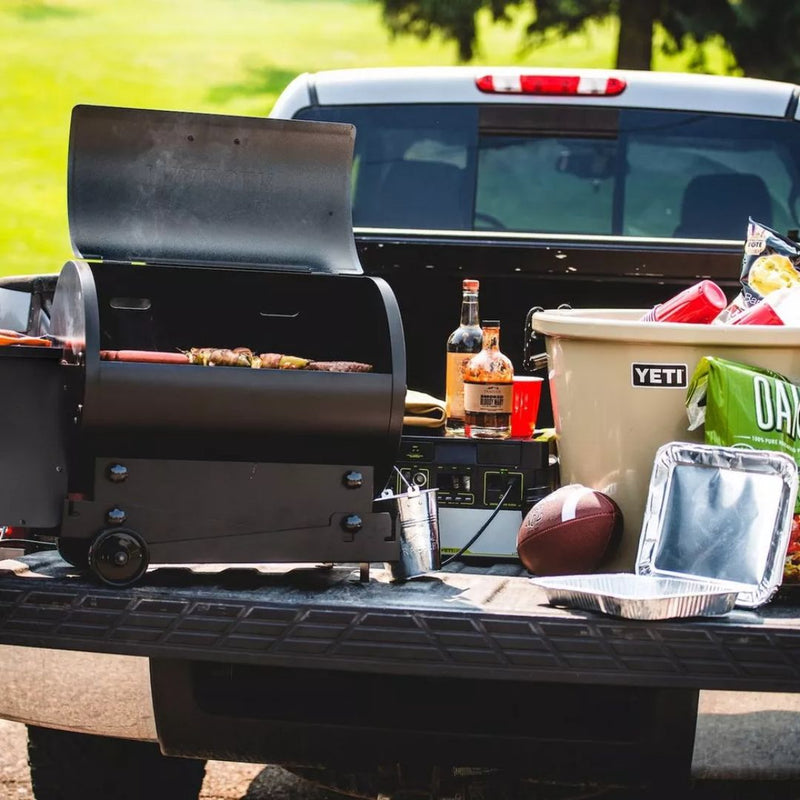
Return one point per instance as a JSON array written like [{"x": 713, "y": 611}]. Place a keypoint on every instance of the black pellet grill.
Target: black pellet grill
[{"x": 198, "y": 230}]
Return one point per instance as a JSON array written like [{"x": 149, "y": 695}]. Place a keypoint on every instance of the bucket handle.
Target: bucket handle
[{"x": 409, "y": 487}]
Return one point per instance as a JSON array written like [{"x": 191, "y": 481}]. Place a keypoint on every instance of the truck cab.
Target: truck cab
[
  {"x": 585, "y": 188},
  {"x": 588, "y": 154}
]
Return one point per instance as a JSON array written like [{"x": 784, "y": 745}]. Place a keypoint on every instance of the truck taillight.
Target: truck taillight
[
  {"x": 7, "y": 532},
  {"x": 551, "y": 84}
]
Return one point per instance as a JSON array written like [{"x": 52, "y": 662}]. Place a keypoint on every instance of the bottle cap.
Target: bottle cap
[{"x": 470, "y": 285}]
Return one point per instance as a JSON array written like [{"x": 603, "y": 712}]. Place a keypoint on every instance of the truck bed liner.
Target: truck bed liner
[{"x": 471, "y": 622}]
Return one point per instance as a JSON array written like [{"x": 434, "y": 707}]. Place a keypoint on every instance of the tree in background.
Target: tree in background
[{"x": 757, "y": 32}]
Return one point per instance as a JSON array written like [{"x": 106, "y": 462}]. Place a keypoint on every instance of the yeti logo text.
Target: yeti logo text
[{"x": 659, "y": 376}]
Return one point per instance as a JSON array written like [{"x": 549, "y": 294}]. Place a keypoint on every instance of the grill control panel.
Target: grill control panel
[{"x": 472, "y": 477}]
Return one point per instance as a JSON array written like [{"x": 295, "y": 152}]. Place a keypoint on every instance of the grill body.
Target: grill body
[{"x": 201, "y": 231}]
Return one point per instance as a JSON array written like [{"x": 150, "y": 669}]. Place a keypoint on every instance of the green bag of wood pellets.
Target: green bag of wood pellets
[{"x": 744, "y": 406}]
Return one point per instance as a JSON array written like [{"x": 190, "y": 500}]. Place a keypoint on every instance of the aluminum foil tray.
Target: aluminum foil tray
[
  {"x": 719, "y": 514},
  {"x": 645, "y": 597}
]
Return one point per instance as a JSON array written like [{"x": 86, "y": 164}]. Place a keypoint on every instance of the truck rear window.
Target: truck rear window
[{"x": 594, "y": 171}]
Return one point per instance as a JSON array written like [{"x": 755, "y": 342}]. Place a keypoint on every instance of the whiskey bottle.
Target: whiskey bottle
[
  {"x": 463, "y": 343},
  {"x": 488, "y": 385}
]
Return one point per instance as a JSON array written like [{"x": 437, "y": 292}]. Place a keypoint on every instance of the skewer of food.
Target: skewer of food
[{"x": 236, "y": 357}]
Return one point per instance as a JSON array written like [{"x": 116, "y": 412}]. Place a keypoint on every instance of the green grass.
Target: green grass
[{"x": 220, "y": 56}]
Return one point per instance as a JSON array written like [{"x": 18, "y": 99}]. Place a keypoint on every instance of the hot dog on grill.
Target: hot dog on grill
[{"x": 237, "y": 357}]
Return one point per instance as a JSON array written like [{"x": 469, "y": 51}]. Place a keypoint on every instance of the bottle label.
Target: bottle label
[
  {"x": 488, "y": 397},
  {"x": 454, "y": 389}
]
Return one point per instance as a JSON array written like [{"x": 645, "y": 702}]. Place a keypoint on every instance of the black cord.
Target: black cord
[{"x": 483, "y": 527}]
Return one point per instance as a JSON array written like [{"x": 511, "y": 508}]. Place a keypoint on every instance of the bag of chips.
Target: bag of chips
[
  {"x": 770, "y": 262},
  {"x": 743, "y": 406}
]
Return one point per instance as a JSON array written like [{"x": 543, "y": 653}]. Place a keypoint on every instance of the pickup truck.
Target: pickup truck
[{"x": 588, "y": 188}]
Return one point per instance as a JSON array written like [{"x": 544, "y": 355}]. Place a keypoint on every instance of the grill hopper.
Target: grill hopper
[{"x": 208, "y": 231}]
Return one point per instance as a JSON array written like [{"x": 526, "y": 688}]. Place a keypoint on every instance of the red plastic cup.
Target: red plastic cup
[
  {"x": 700, "y": 303},
  {"x": 525, "y": 396},
  {"x": 781, "y": 307}
]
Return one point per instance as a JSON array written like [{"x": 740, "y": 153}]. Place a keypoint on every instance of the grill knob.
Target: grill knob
[
  {"x": 353, "y": 479},
  {"x": 117, "y": 473},
  {"x": 352, "y": 523},
  {"x": 116, "y": 516}
]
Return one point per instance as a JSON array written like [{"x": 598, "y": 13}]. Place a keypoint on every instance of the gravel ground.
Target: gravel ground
[
  {"x": 15, "y": 778},
  {"x": 230, "y": 781}
]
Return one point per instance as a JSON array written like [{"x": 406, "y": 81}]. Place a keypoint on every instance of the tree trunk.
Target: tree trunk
[{"x": 636, "y": 20}]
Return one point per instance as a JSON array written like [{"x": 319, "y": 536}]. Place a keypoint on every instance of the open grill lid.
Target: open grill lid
[{"x": 203, "y": 189}]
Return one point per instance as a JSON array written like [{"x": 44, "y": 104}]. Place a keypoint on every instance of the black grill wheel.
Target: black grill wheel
[{"x": 118, "y": 556}]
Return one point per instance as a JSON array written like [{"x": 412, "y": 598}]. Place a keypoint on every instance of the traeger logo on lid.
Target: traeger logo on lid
[{"x": 660, "y": 376}]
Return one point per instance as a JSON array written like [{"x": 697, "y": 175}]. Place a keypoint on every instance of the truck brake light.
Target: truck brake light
[{"x": 551, "y": 85}]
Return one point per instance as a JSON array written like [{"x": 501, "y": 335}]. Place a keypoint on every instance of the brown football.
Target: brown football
[{"x": 571, "y": 531}]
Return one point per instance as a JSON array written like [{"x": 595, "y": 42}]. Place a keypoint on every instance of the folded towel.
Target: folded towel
[{"x": 423, "y": 410}]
